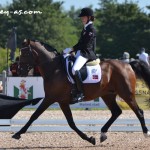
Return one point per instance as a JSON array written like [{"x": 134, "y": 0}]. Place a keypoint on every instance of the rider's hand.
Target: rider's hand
[
  {"x": 67, "y": 50},
  {"x": 72, "y": 53}
]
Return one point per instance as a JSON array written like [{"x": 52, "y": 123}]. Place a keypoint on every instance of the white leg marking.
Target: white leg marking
[{"x": 147, "y": 134}]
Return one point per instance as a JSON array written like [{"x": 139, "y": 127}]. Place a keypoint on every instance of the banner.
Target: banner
[
  {"x": 26, "y": 88},
  {"x": 141, "y": 89}
]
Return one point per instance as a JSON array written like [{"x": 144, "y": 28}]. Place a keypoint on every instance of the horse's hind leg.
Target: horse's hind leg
[
  {"x": 44, "y": 105},
  {"x": 139, "y": 113},
  {"x": 110, "y": 101},
  {"x": 68, "y": 114}
]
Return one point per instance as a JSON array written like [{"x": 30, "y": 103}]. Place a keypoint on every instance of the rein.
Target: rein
[{"x": 23, "y": 48}]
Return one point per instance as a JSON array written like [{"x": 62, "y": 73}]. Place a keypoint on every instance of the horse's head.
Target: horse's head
[
  {"x": 34, "y": 53},
  {"x": 26, "y": 61}
]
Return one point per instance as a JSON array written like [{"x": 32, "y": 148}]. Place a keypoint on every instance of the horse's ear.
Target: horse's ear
[{"x": 26, "y": 42}]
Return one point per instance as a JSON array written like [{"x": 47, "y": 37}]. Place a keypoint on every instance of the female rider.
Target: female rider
[{"x": 84, "y": 49}]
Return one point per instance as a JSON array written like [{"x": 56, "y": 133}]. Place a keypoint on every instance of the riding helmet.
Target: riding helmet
[{"x": 86, "y": 12}]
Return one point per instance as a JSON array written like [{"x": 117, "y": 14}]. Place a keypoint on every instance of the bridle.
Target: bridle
[
  {"x": 26, "y": 58},
  {"x": 29, "y": 58}
]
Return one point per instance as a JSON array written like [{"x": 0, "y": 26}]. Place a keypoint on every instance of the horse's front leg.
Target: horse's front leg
[
  {"x": 44, "y": 105},
  {"x": 68, "y": 114}
]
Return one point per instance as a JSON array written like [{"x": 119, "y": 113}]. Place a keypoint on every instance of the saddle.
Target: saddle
[{"x": 90, "y": 72}]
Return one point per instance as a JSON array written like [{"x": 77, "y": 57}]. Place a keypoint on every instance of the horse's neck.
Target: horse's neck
[
  {"x": 42, "y": 53},
  {"x": 48, "y": 69},
  {"x": 48, "y": 63},
  {"x": 41, "y": 50}
]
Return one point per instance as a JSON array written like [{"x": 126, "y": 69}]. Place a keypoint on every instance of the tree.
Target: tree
[
  {"x": 5, "y": 29},
  {"x": 51, "y": 25},
  {"x": 123, "y": 27}
]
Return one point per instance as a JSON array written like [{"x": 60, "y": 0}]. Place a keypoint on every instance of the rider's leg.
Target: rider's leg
[{"x": 80, "y": 61}]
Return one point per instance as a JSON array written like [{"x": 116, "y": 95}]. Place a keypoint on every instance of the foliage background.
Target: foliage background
[{"x": 120, "y": 27}]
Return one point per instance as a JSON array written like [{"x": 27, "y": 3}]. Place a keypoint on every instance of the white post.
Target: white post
[{"x": 4, "y": 77}]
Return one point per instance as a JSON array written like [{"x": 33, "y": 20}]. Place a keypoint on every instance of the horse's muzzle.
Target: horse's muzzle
[{"x": 21, "y": 72}]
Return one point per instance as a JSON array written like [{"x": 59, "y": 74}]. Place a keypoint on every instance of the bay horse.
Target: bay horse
[{"x": 118, "y": 78}]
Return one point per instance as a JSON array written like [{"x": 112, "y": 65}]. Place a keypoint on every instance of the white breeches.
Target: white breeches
[{"x": 80, "y": 61}]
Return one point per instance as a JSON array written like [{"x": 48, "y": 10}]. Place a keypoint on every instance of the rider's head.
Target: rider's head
[
  {"x": 126, "y": 55},
  {"x": 142, "y": 49},
  {"x": 86, "y": 14}
]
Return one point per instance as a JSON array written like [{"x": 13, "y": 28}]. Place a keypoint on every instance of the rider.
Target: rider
[
  {"x": 126, "y": 57},
  {"x": 14, "y": 67},
  {"x": 84, "y": 49}
]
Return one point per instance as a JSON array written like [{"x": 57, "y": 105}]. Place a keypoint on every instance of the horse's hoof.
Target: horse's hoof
[
  {"x": 103, "y": 137},
  {"x": 16, "y": 136},
  {"x": 147, "y": 134},
  {"x": 92, "y": 140}
]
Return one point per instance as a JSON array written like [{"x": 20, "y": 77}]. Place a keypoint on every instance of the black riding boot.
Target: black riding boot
[{"x": 78, "y": 96}]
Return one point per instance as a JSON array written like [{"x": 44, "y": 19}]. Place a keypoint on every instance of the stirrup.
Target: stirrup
[{"x": 78, "y": 98}]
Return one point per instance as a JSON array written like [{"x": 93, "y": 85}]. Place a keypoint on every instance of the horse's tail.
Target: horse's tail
[{"x": 142, "y": 71}]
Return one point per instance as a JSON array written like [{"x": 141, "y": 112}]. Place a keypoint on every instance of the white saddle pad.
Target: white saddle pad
[{"x": 94, "y": 74}]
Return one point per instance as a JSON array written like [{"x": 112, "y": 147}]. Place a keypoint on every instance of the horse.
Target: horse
[{"x": 118, "y": 78}]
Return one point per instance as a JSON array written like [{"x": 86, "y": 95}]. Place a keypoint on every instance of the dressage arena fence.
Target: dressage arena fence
[{"x": 120, "y": 125}]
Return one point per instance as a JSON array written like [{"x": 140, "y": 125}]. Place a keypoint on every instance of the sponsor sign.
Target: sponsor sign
[
  {"x": 141, "y": 89},
  {"x": 26, "y": 88}
]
